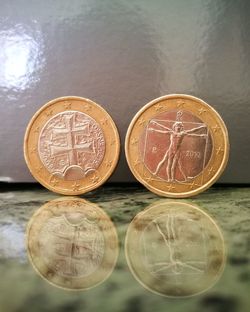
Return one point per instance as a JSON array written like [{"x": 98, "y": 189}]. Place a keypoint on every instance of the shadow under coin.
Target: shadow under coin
[
  {"x": 72, "y": 243},
  {"x": 175, "y": 249}
]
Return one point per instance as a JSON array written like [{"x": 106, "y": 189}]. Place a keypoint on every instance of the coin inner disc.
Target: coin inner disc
[
  {"x": 70, "y": 250},
  {"x": 175, "y": 146},
  {"x": 71, "y": 145}
]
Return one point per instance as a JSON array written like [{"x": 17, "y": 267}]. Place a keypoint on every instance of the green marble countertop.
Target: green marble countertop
[{"x": 22, "y": 289}]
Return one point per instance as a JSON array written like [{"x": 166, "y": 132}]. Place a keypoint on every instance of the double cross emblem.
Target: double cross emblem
[{"x": 71, "y": 138}]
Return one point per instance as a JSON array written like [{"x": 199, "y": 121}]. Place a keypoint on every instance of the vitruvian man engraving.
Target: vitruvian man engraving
[
  {"x": 174, "y": 258},
  {"x": 183, "y": 151},
  {"x": 175, "y": 249},
  {"x": 181, "y": 249},
  {"x": 71, "y": 145}
]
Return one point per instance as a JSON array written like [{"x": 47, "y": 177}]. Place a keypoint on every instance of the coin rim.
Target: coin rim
[
  {"x": 68, "y": 191},
  {"x": 193, "y": 192}
]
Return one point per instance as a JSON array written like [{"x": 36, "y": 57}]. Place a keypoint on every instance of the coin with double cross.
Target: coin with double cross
[
  {"x": 72, "y": 243},
  {"x": 71, "y": 145}
]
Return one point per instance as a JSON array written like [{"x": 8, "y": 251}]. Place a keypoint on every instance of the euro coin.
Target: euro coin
[
  {"x": 72, "y": 243},
  {"x": 71, "y": 145},
  {"x": 177, "y": 146},
  {"x": 175, "y": 249}
]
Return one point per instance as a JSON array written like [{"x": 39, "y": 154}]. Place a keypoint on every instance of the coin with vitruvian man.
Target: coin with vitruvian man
[
  {"x": 177, "y": 146},
  {"x": 175, "y": 249},
  {"x": 68, "y": 144}
]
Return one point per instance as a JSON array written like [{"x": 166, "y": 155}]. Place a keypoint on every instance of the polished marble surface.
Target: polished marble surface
[{"x": 227, "y": 208}]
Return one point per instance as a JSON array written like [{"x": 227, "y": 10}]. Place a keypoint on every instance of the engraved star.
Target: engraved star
[
  {"x": 33, "y": 150},
  {"x": 149, "y": 179},
  {"x": 37, "y": 129},
  {"x": 76, "y": 186},
  {"x": 67, "y": 104},
  {"x": 95, "y": 179},
  {"x": 211, "y": 171},
  {"x": 112, "y": 142},
  {"x": 54, "y": 181},
  {"x": 134, "y": 141},
  {"x": 39, "y": 169},
  {"x": 142, "y": 121},
  {"x": 170, "y": 188},
  {"x": 108, "y": 164},
  {"x": 202, "y": 111},
  {"x": 49, "y": 114},
  {"x": 104, "y": 121},
  {"x": 158, "y": 107},
  {"x": 88, "y": 107},
  {"x": 216, "y": 128},
  {"x": 137, "y": 162},
  {"x": 180, "y": 103},
  {"x": 219, "y": 150},
  {"x": 193, "y": 184}
]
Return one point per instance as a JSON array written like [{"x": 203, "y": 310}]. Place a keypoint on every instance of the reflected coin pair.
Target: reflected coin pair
[
  {"x": 172, "y": 248},
  {"x": 176, "y": 146}
]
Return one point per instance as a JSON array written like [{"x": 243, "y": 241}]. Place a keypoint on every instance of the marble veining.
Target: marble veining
[{"x": 228, "y": 206}]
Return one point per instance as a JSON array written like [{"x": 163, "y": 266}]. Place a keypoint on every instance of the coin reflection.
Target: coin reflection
[
  {"x": 72, "y": 243},
  {"x": 175, "y": 249}
]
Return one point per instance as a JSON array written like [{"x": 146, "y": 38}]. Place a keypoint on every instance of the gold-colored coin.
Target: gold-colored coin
[
  {"x": 175, "y": 249},
  {"x": 72, "y": 243},
  {"x": 71, "y": 145},
  {"x": 177, "y": 146}
]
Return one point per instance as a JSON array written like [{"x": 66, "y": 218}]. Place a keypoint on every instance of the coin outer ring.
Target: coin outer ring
[
  {"x": 83, "y": 282},
  {"x": 218, "y": 131},
  {"x": 154, "y": 209},
  {"x": 112, "y": 145}
]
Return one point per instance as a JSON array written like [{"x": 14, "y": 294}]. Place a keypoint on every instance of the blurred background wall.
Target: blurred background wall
[{"x": 122, "y": 54}]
